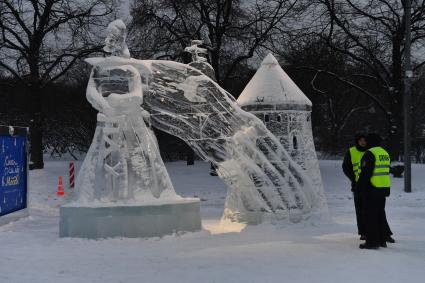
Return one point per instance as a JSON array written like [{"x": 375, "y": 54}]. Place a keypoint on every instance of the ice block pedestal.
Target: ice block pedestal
[{"x": 153, "y": 219}]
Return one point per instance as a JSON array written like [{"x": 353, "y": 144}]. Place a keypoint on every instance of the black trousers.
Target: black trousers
[
  {"x": 375, "y": 220},
  {"x": 388, "y": 231},
  {"x": 358, "y": 204}
]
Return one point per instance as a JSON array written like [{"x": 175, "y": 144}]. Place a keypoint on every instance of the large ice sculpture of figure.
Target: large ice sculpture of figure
[
  {"x": 262, "y": 178},
  {"x": 123, "y": 188},
  {"x": 123, "y": 163}
]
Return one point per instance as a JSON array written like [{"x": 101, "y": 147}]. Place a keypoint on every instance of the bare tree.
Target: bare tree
[
  {"x": 232, "y": 30},
  {"x": 40, "y": 40},
  {"x": 339, "y": 107},
  {"x": 371, "y": 34}
]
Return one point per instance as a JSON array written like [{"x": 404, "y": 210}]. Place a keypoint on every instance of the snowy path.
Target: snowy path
[{"x": 32, "y": 252}]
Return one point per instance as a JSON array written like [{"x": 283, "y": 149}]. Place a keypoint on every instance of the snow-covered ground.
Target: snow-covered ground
[{"x": 32, "y": 252}]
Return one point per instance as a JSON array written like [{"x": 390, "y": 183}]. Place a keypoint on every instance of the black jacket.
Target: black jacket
[
  {"x": 363, "y": 185},
  {"x": 347, "y": 167}
]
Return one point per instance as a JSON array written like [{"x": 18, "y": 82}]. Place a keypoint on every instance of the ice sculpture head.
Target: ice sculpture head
[{"x": 115, "y": 39}]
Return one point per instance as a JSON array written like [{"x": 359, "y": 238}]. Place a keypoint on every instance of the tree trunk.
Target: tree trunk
[
  {"x": 190, "y": 156},
  {"x": 215, "y": 65},
  {"x": 395, "y": 136},
  {"x": 396, "y": 120},
  {"x": 36, "y": 126}
]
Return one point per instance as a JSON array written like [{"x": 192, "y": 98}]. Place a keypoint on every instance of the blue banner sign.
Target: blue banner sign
[{"x": 13, "y": 173}]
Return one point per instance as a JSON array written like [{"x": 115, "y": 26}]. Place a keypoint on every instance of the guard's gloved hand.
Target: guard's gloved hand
[{"x": 353, "y": 186}]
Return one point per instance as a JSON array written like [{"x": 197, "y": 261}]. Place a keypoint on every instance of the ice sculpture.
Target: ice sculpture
[
  {"x": 274, "y": 98},
  {"x": 199, "y": 58},
  {"x": 197, "y": 51},
  {"x": 263, "y": 180},
  {"x": 123, "y": 188},
  {"x": 123, "y": 162}
]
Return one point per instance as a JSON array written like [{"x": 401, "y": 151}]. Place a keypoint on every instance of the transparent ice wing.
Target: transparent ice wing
[{"x": 261, "y": 175}]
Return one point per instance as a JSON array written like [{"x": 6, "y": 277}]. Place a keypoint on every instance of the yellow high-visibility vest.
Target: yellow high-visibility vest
[
  {"x": 356, "y": 156},
  {"x": 381, "y": 172}
]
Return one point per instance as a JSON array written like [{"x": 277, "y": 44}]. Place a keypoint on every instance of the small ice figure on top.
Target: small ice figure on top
[
  {"x": 115, "y": 42},
  {"x": 199, "y": 58},
  {"x": 197, "y": 51}
]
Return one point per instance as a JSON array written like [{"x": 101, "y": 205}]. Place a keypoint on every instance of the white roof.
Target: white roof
[{"x": 271, "y": 85}]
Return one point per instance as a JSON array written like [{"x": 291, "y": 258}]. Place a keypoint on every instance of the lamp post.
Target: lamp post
[{"x": 407, "y": 101}]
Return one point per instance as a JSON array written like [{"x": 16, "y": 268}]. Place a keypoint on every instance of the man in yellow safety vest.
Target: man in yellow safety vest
[
  {"x": 351, "y": 168},
  {"x": 374, "y": 186}
]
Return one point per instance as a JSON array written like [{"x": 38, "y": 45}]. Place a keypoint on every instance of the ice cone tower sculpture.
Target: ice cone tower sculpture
[{"x": 273, "y": 97}]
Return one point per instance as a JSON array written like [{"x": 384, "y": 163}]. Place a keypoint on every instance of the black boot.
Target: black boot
[
  {"x": 362, "y": 237},
  {"x": 389, "y": 239},
  {"x": 368, "y": 246}
]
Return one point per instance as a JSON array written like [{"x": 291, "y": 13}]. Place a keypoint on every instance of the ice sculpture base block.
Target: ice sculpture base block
[{"x": 131, "y": 221}]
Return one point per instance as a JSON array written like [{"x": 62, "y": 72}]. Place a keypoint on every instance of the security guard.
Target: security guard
[
  {"x": 351, "y": 168},
  {"x": 374, "y": 185}
]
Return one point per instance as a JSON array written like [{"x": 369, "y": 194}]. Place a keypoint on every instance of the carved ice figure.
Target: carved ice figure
[
  {"x": 196, "y": 51},
  {"x": 199, "y": 58},
  {"x": 123, "y": 162},
  {"x": 263, "y": 180}
]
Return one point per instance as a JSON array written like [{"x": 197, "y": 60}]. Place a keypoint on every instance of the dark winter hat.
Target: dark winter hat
[
  {"x": 373, "y": 139},
  {"x": 358, "y": 136}
]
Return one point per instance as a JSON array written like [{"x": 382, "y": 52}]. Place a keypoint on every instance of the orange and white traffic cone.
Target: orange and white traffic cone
[{"x": 60, "y": 192}]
